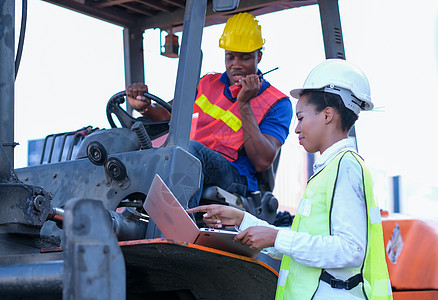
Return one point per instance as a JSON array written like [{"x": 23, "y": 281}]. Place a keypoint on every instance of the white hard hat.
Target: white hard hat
[{"x": 339, "y": 77}]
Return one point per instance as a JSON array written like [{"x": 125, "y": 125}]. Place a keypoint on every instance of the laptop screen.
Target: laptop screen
[
  {"x": 169, "y": 215},
  {"x": 174, "y": 222}
]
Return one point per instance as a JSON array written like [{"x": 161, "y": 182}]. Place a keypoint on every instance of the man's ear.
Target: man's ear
[
  {"x": 329, "y": 114},
  {"x": 259, "y": 56}
]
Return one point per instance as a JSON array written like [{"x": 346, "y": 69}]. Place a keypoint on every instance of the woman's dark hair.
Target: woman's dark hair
[{"x": 321, "y": 100}]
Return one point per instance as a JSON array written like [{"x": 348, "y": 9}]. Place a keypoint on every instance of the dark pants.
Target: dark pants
[{"x": 216, "y": 170}]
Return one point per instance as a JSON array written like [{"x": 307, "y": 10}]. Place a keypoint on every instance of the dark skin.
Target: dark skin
[
  {"x": 219, "y": 216},
  {"x": 241, "y": 69}
]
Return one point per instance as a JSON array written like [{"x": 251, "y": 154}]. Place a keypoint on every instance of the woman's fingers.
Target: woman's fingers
[
  {"x": 202, "y": 208},
  {"x": 213, "y": 223},
  {"x": 218, "y": 216}
]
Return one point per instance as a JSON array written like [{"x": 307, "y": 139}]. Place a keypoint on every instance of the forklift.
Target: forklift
[{"x": 75, "y": 229}]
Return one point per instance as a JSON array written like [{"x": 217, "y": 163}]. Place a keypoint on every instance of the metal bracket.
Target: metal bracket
[{"x": 94, "y": 267}]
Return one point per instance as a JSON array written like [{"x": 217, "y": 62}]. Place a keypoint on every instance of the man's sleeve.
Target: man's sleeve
[{"x": 277, "y": 121}]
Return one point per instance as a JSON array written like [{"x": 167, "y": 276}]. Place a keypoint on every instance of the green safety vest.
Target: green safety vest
[{"x": 300, "y": 282}]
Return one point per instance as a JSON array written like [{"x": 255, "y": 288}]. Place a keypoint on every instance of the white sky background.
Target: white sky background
[{"x": 72, "y": 65}]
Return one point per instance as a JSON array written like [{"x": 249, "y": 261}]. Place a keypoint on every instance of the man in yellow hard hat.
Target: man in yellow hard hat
[{"x": 242, "y": 119}]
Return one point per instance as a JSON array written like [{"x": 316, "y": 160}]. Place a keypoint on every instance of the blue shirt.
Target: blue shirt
[{"x": 276, "y": 123}]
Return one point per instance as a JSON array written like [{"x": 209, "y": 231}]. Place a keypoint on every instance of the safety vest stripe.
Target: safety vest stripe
[
  {"x": 216, "y": 112},
  {"x": 282, "y": 277},
  {"x": 375, "y": 217},
  {"x": 382, "y": 288}
]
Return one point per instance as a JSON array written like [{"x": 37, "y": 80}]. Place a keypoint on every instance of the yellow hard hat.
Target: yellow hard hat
[{"x": 242, "y": 33}]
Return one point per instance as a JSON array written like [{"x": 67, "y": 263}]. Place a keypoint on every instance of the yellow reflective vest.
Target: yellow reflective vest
[{"x": 300, "y": 282}]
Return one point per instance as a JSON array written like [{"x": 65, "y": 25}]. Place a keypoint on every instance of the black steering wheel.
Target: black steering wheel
[{"x": 154, "y": 129}]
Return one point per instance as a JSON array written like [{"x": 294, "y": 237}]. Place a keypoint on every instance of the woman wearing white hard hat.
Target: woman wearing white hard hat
[{"x": 334, "y": 249}]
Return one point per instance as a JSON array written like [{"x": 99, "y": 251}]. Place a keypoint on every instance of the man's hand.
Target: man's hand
[
  {"x": 218, "y": 216},
  {"x": 257, "y": 237},
  {"x": 250, "y": 87},
  {"x": 136, "y": 99}
]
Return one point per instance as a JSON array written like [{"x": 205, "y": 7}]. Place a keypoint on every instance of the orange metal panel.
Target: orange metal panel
[
  {"x": 418, "y": 295},
  {"x": 416, "y": 267},
  {"x": 157, "y": 266},
  {"x": 198, "y": 247}
]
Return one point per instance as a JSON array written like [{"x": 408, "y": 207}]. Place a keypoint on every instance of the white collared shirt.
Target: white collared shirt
[{"x": 342, "y": 253}]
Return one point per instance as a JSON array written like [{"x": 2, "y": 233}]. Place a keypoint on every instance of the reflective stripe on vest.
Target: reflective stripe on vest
[
  {"x": 303, "y": 281},
  {"x": 219, "y": 126},
  {"x": 216, "y": 112}
]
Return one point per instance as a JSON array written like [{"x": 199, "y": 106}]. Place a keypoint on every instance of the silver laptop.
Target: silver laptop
[{"x": 175, "y": 223}]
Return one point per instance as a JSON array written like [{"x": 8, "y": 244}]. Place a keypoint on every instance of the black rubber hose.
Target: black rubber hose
[{"x": 21, "y": 38}]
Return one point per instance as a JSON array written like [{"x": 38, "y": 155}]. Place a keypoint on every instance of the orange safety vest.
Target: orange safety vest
[{"x": 218, "y": 125}]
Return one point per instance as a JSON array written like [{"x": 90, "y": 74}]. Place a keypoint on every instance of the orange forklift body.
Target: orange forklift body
[{"x": 411, "y": 256}]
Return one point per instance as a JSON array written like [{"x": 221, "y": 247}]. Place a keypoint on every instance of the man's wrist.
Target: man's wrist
[
  {"x": 144, "y": 110},
  {"x": 245, "y": 105}
]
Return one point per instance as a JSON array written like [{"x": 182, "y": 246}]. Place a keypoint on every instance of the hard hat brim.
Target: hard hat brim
[
  {"x": 296, "y": 93},
  {"x": 368, "y": 105},
  {"x": 240, "y": 50}
]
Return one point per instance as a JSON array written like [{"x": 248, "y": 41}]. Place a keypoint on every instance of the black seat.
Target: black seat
[{"x": 266, "y": 178}]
